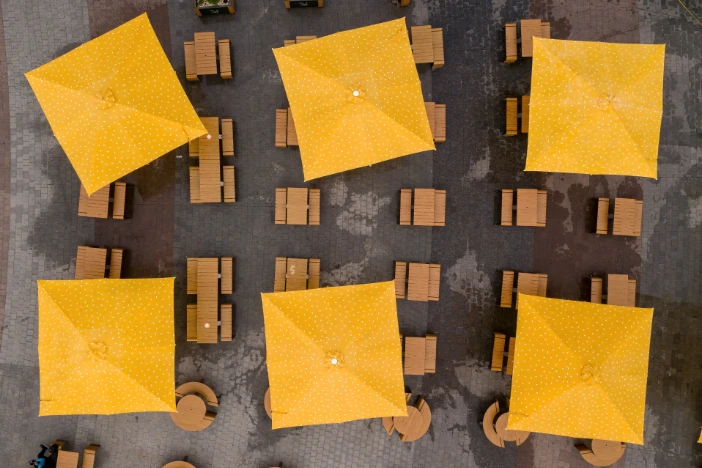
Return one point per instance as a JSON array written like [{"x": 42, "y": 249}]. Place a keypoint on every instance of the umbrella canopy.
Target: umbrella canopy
[
  {"x": 356, "y": 98},
  {"x": 595, "y": 108},
  {"x": 115, "y": 104},
  {"x": 106, "y": 346},
  {"x": 580, "y": 369},
  {"x": 333, "y": 355}
]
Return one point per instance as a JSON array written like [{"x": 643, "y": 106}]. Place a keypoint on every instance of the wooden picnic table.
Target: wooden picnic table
[
  {"x": 207, "y": 299},
  {"x": 67, "y": 459},
  {"x": 90, "y": 263},
  {"x": 627, "y": 217},
  {"x": 95, "y": 205},
  {"x": 210, "y": 165},
  {"x": 205, "y": 53}
]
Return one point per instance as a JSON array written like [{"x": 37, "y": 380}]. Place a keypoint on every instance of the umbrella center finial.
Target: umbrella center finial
[
  {"x": 98, "y": 349},
  {"x": 605, "y": 102},
  {"x": 589, "y": 373},
  {"x": 334, "y": 359},
  {"x": 356, "y": 93},
  {"x": 108, "y": 99}
]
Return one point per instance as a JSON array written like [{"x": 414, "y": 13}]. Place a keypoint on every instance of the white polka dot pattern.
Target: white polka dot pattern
[
  {"x": 355, "y": 97},
  {"x": 333, "y": 355},
  {"x": 580, "y": 369},
  {"x": 106, "y": 346},
  {"x": 595, "y": 108},
  {"x": 115, "y": 103}
]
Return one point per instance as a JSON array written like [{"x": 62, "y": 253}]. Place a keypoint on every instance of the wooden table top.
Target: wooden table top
[
  {"x": 627, "y": 217},
  {"x": 210, "y": 167},
  {"x": 410, "y": 424},
  {"x": 425, "y": 412},
  {"x": 90, "y": 263},
  {"x": 297, "y": 205},
  {"x": 618, "y": 292},
  {"x": 530, "y": 28},
  {"x": 67, "y": 459},
  {"x": 207, "y": 299},
  {"x": 509, "y": 435},
  {"x": 191, "y": 408},
  {"x": 96, "y": 205},
  {"x": 424, "y": 207},
  {"x": 418, "y": 282},
  {"x": 296, "y": 274},
  {"x": 527, "y": 207},
  {"x": 607, "y": 449},
  {"x": 178, "y": 464},
  {"x": 205, "y": 53}
]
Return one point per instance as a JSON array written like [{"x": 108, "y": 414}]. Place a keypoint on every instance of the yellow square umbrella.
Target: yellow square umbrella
[
  {"x": 115, "y": 104},
  {"x": 595, "y": 107},
  {"x": 106, "y": 346},
  {"x": 580, "y": 369},
  {"x": 355, "y": 97},
  {"x": 333, "y": 355}
]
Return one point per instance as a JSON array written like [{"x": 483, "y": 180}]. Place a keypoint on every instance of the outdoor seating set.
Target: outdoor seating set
[
  {"x": 67, "y": 459},
  {"x": 207, "y": 281},
  {"x": 97, "y": 204},
  {"x": 91, "y": 263},
  {"x": 427, "y": 209},
  {"x": 210, "y": 182},
  {"x": 628, "y": 214},
  {"x": 531, "y": 207},
  {"x": 620, "y": 290},
  {"x": 422, "y": 284},
  {"x": 296, "y": 274},
  {"x": 428, "y": 45},
  {"x": 512, "y": 115},
  {"x": 191, "y": 410},
  {"x": 420, "y": 354},
  {"x": 300, "y": 206},
  {"x": 201, "y": 57},
  {"x": 530, "y": 28}
]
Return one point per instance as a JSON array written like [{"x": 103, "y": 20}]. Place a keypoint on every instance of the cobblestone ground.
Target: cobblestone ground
[{"x": 359, "y": 238}]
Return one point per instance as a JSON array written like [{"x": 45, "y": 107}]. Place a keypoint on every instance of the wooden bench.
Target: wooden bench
[
  {"x": 510, "y": 42},
  {"x": 507, "y": 207},
  {"x": 190, "y": 69},
  {"x": 434, "y": 281},
  {"x": 227, "y": 276},
  {"x": 281, "y": 128},
  {"x": 511, "y": 116},
  {"x": 225, "y": 61},
  {"x": 280, "y": 269},
  {"x": 227, "y": 322},
  {"x": 194, "y": 184},
  {"x": 405, "y": 207},
  {"x": 291, "y": 132},
  {"x": 498, "y": 352},
  {"x": 436, "y": 113},
  {"x": 228, "y": 173},
  {"x": 602, "y": 226},
  {"x": 313, "y": 273},
  {"x": 525, "y": 114},
  {"x": 116, "y": 263},
  {"x": 596, "y": 290},
  {"x": 510, "y": 355},
  {"x": 95, "y": 205},
  {"x": 489, "y": 425},
  {"x": 119, "y": 199},
  {"x": 437, "y": 39},
  {"x": 227, "y": 137},
  {"x": 400, "y": 279},
  {"x": 281, "y": 204},
  {"x": 89, "y": 456},
  {"x": 298, "y": 206},
  {"x": 507, "y": 288},
  {"x": 191, "y": 333},
  {"x": 430, "y": 354}
]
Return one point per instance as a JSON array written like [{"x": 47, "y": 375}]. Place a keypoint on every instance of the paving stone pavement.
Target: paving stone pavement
[{"x": 358, "y": 238}]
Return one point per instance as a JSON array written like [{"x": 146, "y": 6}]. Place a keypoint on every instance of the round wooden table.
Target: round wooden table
[
  {"x": 411, "y": 424},
  {"x": 509, "y": 435},
  {"x": 425, "y": 412},
  {"x": 607, "y": 449},
  {"x": 178, "y": 464},
  {"x": 191, "y": 411}
]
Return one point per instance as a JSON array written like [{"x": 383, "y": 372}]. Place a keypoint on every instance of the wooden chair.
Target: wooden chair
[
  {"x": 511, "y": 129},
  {"x": 225, "y": 62},
  {"x": 291, "y": 132},
  {"x": 507, "y": 207},
  {"x": 226, "y": 317},
  {"x": 191, "y": 333},
  {"x": 437, "y": 40},
  {"x": 400, "y": 279},
  {"x": 415, "y": 355},
  {"x": 281, "y": 128},
  {"x": 227, "y": 137},
  {"x": 507, "y": 288},
  {"x": 602, "y": 216},
  {"x": 116, "y": 263},
  {"x": 511, "y": 42},
  {"x": 227, "y": 276},
  {"x": 596, "y": 290},
  {"x": 89, "y": 455},
  {"x": 525, "y": 114},
  {"x": 405, "y": 207},
  {"x": 498, "y": 352},
  {"x": 229, "y": 182},
  {"x": 119, "y": 199},
  {"x": 190, "y": 69},
  {"x": 510, "y": 355}
]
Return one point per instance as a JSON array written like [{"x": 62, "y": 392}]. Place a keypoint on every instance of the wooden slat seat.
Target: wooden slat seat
[
  {"x": 638, "y": 216},
  {"x": 90, "y": 263},
  {"x": 415, "y": 353},
  {"x": 280, "y": 268},
  {"x": 301, "y": 39},
  {"x": 422, "y": 44},
  {"x": 631, "y": 298},
  {"x": 400, "y": 279},
  {"x": 602, "y": 226},
  {"x": 440, "y": 123},
  {"x": 434, "y": 281},
  {"x": 489, "y": 425},
  {"x": 546, "y": 30},
  {"x": 200, "y": 389},
  {"x": 89, "y": 456},
  {"x": 507, "y": 207},
  {"x": 437, "y": 40},
  {"x": 225, "y": 60},
  {"x": 288, "y": 42},
  {"x": 227, "y": 137},
  {"x": 119, "y": 198},
  {"x": 116, "y": 263},
  {"x": 226, "y": 317},
  {"x": 95, "y": 205},
  {"x": 228, "y": 174},
  {"x": 291, "y": 132},
  {"x": 510, "y": 42},
  {"x": 194, "y": 148},
  {"x": 313, "y": 280},
  {"x": 281, "y": 203},
  {"x": 314, "y": 207},
  {"x": 191, "y": 333},
  {"x": 190, "y": 68},
  {"x": 430, "y": 108},
  {"x": 596, "y": 290},
  {"x": 498, "y": 352},
  {"x": 510, "y": 355},
  {"x": 511, "y": 116},
  {"x": 440, "y": 208},
  {"x": 227, "y": 280},
  {"x": 541, "y": 197},
  {"x": 430, "y": 354},
  {"x": 530, "y": 28},
  {"x": 191, "y": 275},
  {"x": 194, "y": 184},
  {"x": 205, "y": 53},
  {"x": 281, "y": 128},
  {"x": 405, "y": 207},
  {"x": 525, "y": 114},
  {"x": 507, "y": 288}
]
